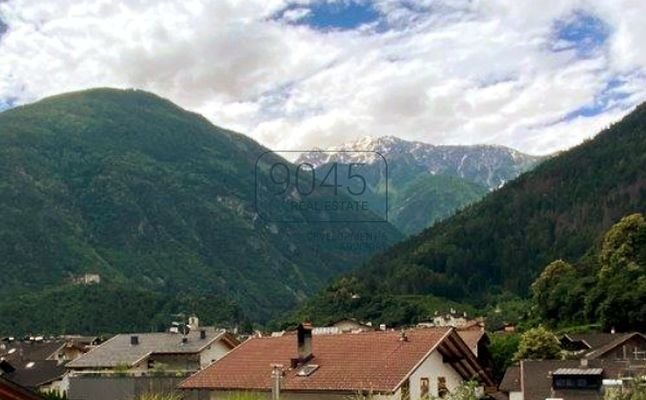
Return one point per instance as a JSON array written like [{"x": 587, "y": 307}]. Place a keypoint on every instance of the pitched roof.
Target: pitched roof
[
  {"x": 472, "y": 338},
  {"x": 33, "y": 374},
  {"x": 536, "y": 378},
  {"x": 29, "y": 350},
  {"x": 613, "y": 344},
  {"x": 511, "y": 381},
  {"x": 12, "y": 391},
  {"x": 119, "y": 351},
  {"x": 592, "y": 340},
  {"x": 346, "y": 362}
]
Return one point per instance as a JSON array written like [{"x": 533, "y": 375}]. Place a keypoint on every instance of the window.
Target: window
[
  {"x": 577, "y": 382},
  {"x": 423, "y": 388},
  {"x": 442, "y": 389},
  {"x": 406, "y": 390},
  {"x": 307, "y": 370}
]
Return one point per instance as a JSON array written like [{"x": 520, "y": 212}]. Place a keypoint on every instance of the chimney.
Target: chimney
[
  {"x": 304, "y": 334},
  {"x": 584, "y": 363},
  {"x": 403, "y": 337},
  {"x": 193, "y": 322},
  {"x": 134, "y": 340},
  {"x": 184, "y": 340},
  {"x": 202, "y": 334}
]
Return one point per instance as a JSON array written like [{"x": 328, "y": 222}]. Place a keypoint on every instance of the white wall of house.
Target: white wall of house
[
  {"x": 59, "y": 386},
  {"x": 515, "y": 395},
  {"x": 433, "y": 368},
  {"x": 213, "y": 352}
]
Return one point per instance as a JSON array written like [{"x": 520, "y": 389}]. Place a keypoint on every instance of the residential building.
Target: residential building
[
  {"x": 615, "y": 346},
  {"x": 139, "y": 354},
  {"x": 38, "y": 363},
  {"x": 567, "y": 379},
  {"x": 478, "y": 342},
  {"x": 604, "y": 361},
  {"x": 407, "y": 365}
]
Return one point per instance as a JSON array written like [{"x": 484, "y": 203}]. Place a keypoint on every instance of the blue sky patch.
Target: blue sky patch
[
  {"x": 582, "y": 32},
  {"x": 3, "y": 27},
  {"x": 6, "y": 104},
  {"x": 610, "y": 97},
  {"x": 335, "y": 15}
]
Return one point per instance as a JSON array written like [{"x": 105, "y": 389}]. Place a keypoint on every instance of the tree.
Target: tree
[
  {"x": 553, "y": 290},
  {"x": 538, "y": 344},
  {"x": 636, "y": 391},
  {"x": 502, "y": 349},
  {"x": 620, "y": 296}
]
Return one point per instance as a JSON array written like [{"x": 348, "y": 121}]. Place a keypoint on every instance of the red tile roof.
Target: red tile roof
[{"x": 377, "y": 361}]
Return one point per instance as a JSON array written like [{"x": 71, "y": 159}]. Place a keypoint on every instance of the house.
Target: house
[
  {"x": 139, "y": 354},
  {"x": 42, "y": 375},
  {"x": 605, "y": 360},
  {"x": 130, "y": 365},
  {"x": 455, "y": 320},
  {"x": 38, "y": 363},
  {"x": 567, "y": 379},
  {"x": 38, "y": 348},
  {"x": 620, "y": 346},
  {"x": 346, "y": 325},
  {"x": 12, "y": 391},
  {"x": 478, "y": 342},
  {"x": 88, "y": 279},
  {"x": 394, "y": 365}
]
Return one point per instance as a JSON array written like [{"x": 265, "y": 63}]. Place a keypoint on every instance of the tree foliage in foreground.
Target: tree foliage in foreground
[
  {"x": 612, "y": 291},
  {"x": 538, "y": 344}
]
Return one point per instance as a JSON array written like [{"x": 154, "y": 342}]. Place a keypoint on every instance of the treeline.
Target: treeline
[{"x": 111, "y": 308}]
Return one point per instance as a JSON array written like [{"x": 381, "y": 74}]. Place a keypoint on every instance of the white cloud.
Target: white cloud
[{"x": 444, "y": 72}]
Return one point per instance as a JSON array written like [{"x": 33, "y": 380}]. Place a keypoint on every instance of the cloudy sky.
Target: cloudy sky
[{"x": 536, "y": 75}]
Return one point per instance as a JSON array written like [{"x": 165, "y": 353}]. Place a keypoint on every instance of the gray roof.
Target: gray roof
[
  {"x": 36, "y": 373},
  {"x": 30, "y": 351},
  {"x": 511, "y": 380},
  {"x": 118, "y": 350},
  {"x": 593, "y": 340},
  {"x": 613, "y": 344}
]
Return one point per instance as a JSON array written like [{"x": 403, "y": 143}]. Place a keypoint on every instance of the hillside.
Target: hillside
[
  {"x": 426, "y": 183},
  {"x": 559, "y": 210},
  {"x": 129, "y": 186},
  {"x": 428, "y": 198}
]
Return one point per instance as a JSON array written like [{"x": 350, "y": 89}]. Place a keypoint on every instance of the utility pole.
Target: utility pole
[{"x": 276, "y": 379}]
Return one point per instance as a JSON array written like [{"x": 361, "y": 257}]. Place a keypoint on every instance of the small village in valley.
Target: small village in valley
[{"x": 348, "y": 359}]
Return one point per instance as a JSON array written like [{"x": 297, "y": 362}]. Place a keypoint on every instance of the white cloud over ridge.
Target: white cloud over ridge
[{"x": 443, "y": 72}]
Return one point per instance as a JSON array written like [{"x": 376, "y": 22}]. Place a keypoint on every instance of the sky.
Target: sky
[{"x": 538, "y": 76}]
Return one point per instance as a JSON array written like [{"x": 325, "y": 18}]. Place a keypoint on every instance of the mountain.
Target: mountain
[
  {"x": 559, "y": 210},
  {"x": 486, "y": 165},
  {"x": 425, "y": 183},
  {"x": 127, "y": 185}
]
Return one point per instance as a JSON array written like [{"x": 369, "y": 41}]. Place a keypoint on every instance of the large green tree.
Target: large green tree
[
  {"x": 619, "y": 298},
  {"x": 558, "y": 291},
  {"x": 538, "y": 344}
]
